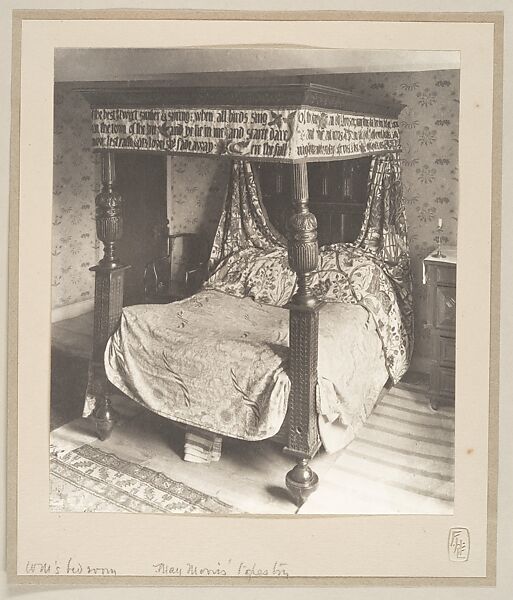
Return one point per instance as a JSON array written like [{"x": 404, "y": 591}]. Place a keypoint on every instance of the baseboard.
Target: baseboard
[
  {"x": 421, "y": 364},
  {"x": 72, "y": 310}
]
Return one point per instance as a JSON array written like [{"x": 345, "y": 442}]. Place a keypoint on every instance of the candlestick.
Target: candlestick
[{"x": 438, "y": 239}]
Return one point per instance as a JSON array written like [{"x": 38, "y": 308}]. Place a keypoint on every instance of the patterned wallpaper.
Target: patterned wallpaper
[
  {"x": 196, "y": 186},
  {"x": 196, "y": 193},
  {"x": 75, "y": 184}
]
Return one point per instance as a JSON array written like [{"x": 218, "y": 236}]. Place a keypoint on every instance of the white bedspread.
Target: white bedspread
[{"x": 219, "y": 363}]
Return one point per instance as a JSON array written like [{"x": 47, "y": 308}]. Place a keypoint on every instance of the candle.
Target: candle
[{"x": 439, "y": 223}]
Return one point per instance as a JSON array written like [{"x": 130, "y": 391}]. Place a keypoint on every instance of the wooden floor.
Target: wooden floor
[{"x": 401, "y": 463}]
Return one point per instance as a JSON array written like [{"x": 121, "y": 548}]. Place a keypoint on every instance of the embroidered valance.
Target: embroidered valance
[
  {"x": 261, "y": 133},
  {"x": 285, "y": 124}
]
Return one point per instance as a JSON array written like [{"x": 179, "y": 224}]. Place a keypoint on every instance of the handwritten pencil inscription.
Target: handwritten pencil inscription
[
  {"x": 229, "y": 568},
  {"x": 68, "y": 567}
]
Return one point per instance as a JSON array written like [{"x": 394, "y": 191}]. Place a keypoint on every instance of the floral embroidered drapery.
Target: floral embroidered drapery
[
  {"x": 249, "y": 258},
  {"x": 244, "y": 224}
]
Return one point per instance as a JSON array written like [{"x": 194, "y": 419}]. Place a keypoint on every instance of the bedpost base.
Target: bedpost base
[
  {"x": 301, "y": 481},
  {"x": 104, "y": 417}
]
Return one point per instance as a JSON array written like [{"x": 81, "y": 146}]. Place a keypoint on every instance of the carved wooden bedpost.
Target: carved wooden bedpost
[
  {"x": 108, "y": 293},
  {"x": 303, "y": 255}
]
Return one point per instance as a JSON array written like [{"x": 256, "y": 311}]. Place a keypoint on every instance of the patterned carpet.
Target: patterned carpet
[{"x": 89, "y": 480}]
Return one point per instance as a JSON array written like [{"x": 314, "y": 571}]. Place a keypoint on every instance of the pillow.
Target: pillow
[{"x": 263, "y": 275}]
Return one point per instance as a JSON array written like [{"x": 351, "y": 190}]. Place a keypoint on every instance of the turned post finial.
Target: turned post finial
[
  {"x": 303, "y": 250},
  {"x": 109, "y": 213}
]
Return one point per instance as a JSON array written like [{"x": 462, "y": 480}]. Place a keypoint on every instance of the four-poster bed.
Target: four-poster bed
[{"x": 295, "y": 124}]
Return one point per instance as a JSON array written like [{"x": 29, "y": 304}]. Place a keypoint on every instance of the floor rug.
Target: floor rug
[{"x": 89, "y": 480}]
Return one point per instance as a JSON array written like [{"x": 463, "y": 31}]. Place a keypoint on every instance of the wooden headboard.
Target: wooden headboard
[{"x": 338, "y": 196}]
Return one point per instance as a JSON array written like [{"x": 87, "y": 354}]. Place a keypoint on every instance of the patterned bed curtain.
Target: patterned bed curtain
[
  {"x": 383, "y": 229},
  {"x": 384, "y": 233},
  {"x": 244, "y": 223}
]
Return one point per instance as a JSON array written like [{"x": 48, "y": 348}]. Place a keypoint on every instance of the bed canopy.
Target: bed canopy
[{"x": 292, "y": 123}]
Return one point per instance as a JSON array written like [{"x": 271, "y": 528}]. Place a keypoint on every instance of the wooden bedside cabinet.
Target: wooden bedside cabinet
[{"x": 440, "y": 278}]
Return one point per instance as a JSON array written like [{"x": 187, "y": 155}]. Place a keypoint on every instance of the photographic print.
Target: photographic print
[
  {"x": 254, "y": 281},
  {"x": 246, "y": 256}
]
